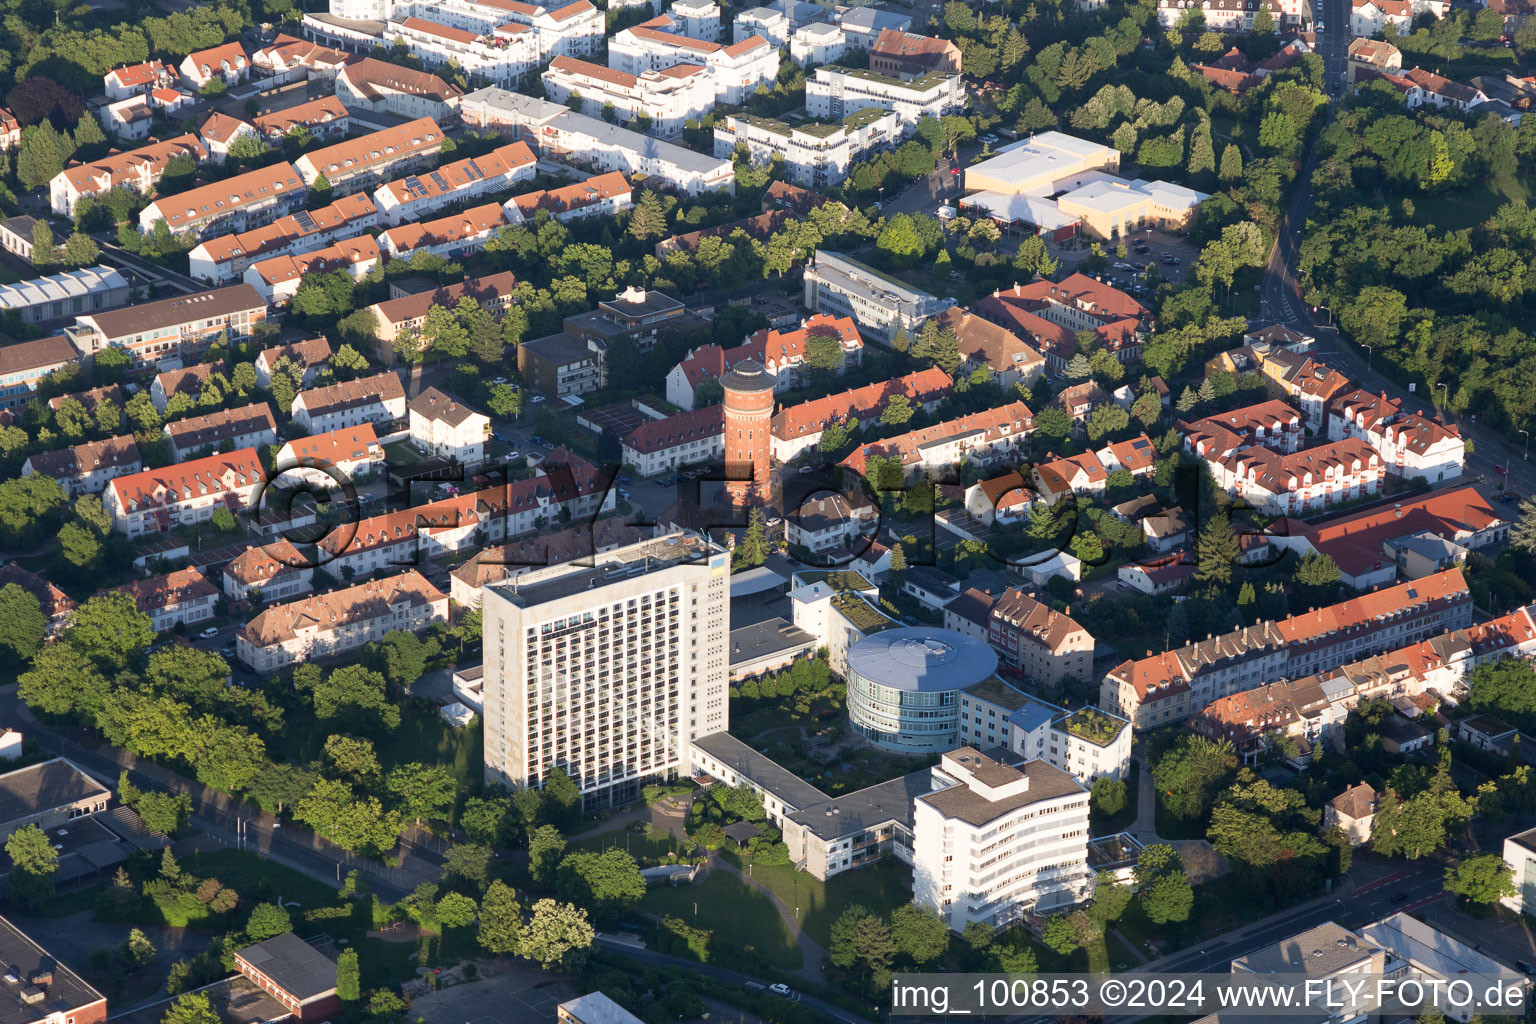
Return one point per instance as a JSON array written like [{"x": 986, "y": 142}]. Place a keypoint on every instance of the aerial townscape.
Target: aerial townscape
[{"x": 616, "y": 511}]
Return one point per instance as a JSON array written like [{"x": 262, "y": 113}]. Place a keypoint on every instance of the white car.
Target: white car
[
  {"x": 499, "y": 380},
  {"x": 536, "y": 399},
  {"x": 209, "y": 633},
  {"x": 778, "y": 988}
]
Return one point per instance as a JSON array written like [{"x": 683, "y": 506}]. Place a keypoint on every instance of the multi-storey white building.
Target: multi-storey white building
[
  {"x": 357, "y": 163},
  {"x": 573, "y": 29},
  {"x": 379, "y": 400},
  {"x": 138, "y": 79},
  {"x": 329, "y": 624},
  {"x": 224, "y": 259},
  {"x": 386, "y": 88},
  {"x": 441, "y": 426},
  {"x": 882, "y": 306},
  {"x": 139, "y": 169},
  {"x": 661, "y": 100},
  {"x": 597, "y": 145},
  {"x": 737, "y": 69},
  {"x": 814, "y": 154},
  {"x": 277, "y": 278},
  {"x": 420, "y": 195},
  {"x": 254, "y": 197},
  {"x": 818, "y": 43},
  {"x": 1410, "y": 444},
  {"x": 772, "y": 25},
  {"x": 503, "y": 55},
  {"x": 155, "y": 500},
  {"x": 452, "y": 236},
  {"x": 999, "y": 841},
  {"x": 698, "y": 19},
  {"x": 609, "y": 668},
  {"x": 835, "y": 92},
  {"x": 272, "y": 570},
  {"x": 1233, "y": 15},
  {"x": 324, "y": 461},
  {"x": 1088, "y": 742}
]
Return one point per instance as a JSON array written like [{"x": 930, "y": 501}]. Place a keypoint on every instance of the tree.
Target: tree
[
  {"x": 505, "y": 401},
  {"x": 425, "y": 792},
  {"x": 350, "y": 821},
  {"x": 348, "y": 977},
  {"x": 753, "y": 549},
  {"x": 1110, "y": 899},
  {"x": 1216, "y": 551},
  {"x": 919, "y": 933},
  {"x": 707, "y": 392},
  {"x": 135, "y": 951},
  {"x": 1059, "y": 934},
  {"x": 455, "y": 910},
  {"x": 556, "y": 935},
  {"x": 110, "y": 630},
  {"x": 34, "y": 862},
  {"x": 546, "y": 847},
  {"x": 1108, "y": 795},
  {"x": 405, "y": 657},
  {"x": 267, "y": 920},
  {"x": 485, "y": 821},
  {"x": 1317, "y": 570},
  {"x": 648, "y": 218},
  {"x": 1189, "y": 774},
  {"x": 22, "y": 623},
  {"x": 353, "y": 759},
  {"x": 191, "y": 1008},
  {"x": 1078, "y": 367},
  {"x": 1523, "y": 534},
  {"x": 561, "y": 796},
  {"x": 1169, "y": 898},
  {"x": 354, "y": 694},
  {"x": 470, "y": 862},
  {"x": 500, "y": 917},
  {"x": 1483, "y": 878},
  {"x": 1231, "y": 164},
  {"x": 897, "y": 411},
  {"x": 1507, "y": 685},
  {"x": 607, "y": 883}
]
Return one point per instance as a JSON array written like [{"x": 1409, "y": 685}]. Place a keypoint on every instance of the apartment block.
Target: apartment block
[
  {"x": 881, "y": 305},
  {"x": 156, "y": 500},
  {"x": 595, "y": 144},
  {"x": 326, "y": 625},
  {"x": 25, "y": 363},
  {"x": 137, "y": 79},
  {"x": 818, "y": 43},
  {"x": 834, "y": 92},
  {"x": 1235, "y": 15},
  {"x": 656, "y": 102},
  {"x": 357, "y": 164},
  {"x": 378, "y": 400},
  {"x": 225, "y": 258},
  {"x": 248, "y": 426},
  {"x": 1410, "y": 443},
  {"x": 601, "y": 195},
  {"x": 559, "y": 365},
  {"x": 278, "y": 278},
  {"x": 814, "y": 154},
  {"x": 400, "y": 314},
  {"x": 442, "y": 426},
  {"x": 572, "y": 29},
  {"x": 386, "y": 88},
  {"x": 1087, "y": 743},
  {"x": 324, "y": 118},
  {"x": 138, "y": 169},
  {"x": 418, "y": 195},
  {"x": 609, "y": 669},
  {"x": 184, "y": 380},
  {"x": 737, "y": 69},
  {"x": 1048, "y": 314},
  {"x": 87, "y": 468},
  {"x": 181, "y": 598},
  {"x": 332, "y": 459},
  {"x": 697, "y": 19},
  {"x": 999, "y": 840},
  {"x": 172, "y": 332},
  {"x": 274, "y": 570},
  {"x": 503, "y": 55},
  {"x": 455, "y": 235},
  {"x": 932, "y": 453},
  {"x": 311, "y": 355},
  {"x": 799, "y": 427},
  {"x": 1047, "y": 646}
]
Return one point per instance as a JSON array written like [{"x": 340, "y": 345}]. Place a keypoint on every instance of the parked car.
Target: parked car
[
  {"x": 627, "y": 481},
  {"x": 537, "y": 440},
  {"x": 499, "y": 380},
  {"x": 536, "y": 399},
  {"x": 209, "y": 633},
  {"x": 778, "y": 988}
]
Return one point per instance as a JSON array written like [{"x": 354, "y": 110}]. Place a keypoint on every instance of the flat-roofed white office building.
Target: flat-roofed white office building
[{"x": 609, "y": 667}]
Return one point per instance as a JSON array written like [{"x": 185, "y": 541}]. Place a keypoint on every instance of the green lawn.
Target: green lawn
[
  {"x": 1470, "y": 206},
  {"x": 401, "y": 454},
  {"x": 881, "y": 887},
  {"x": 736, "y": 913},
  {"x": 644, "y": 848}
]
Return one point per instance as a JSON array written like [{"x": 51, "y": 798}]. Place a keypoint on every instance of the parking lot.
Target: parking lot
[{"x": 1156, "y": 243}]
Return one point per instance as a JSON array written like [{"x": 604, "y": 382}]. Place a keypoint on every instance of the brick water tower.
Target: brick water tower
[{"x": 748, "y": 418}]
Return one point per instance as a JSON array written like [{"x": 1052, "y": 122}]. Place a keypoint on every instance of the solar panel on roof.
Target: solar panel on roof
[
  {"x": 305, "y": 221},
  {"x": 442, "y": 183}
]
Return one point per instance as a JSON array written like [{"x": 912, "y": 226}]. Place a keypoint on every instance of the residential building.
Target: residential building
[
  {"x": 504, "y": 561},
  {"x": 453, "y": 236},
  {"x": 1047, "y": 646},
  {"x": 1373, "y": 55},
  {"x": 1419, "y": 952},
  {"x": 1087, "y": 743},
  {"x": 271, "y": 571},
  {"x": 1013, "y": 362},
  {"x": 378, "y": 400},
  {"x": 572, "y": 29},
  {"x": 1442, "y": 93},
  {"x": 401, "y": 314},
  {"x": 418, "y": 195},
  {"x": 799, "y": 427},
  {"x": 113, "y": 393},
  {"x": 174, "y": 331},
  {"x": 863, "y": 25},
  {"x": 1306, "y": 481},
  {"x": 24, "y": 363},
  {"x": 643, "y": 315},
  {"x": 1520, "y": 858},
  {"x": 66, "y": 294},
  {"x": 1371, "y": 17},
  {"x": 970, "y": 612},
  {"x": 249, "y": 426},
  {"x": 290, "y": 59},
  {"x": 324, "y": 118},
  {"x": 943, "y": 449},
  {"x": 1048, "y": 314},
  {"x": 596, "y": 145},
  {"x": 766, "y": 22},
  {"x": 224, "y": 259},
  {"x": 137, "y": 79},
  {"x": 782, "y": 354},
  {"x": 1325, "y": 953},
  {"x": 559, "y": 365},
  {"x": 737, "y": 70},
  {"x": 246, "y": 200},
  {"x": 132, "y": 118},
  {"x": 220, "y": 131},
  {"x": 1273, "y": 425},
  {"x": 228, "y": 63},
  {"x": 834, "y": 92},
  {"x": 385, "y": 88},
  {"x": 360, "y": 163},
  {"x": 898, "y": 54},
  {"x": 831, "y": 523},
  {"x": 1234, "y": 15},
  {"x": 882, "y": 306},
  {"x": 155, "y": 500},
  {"x": 503, "y": 55},
  {"x": 1410, "y": 444},
  {"x": 1176, "y": 684},
  {"x": 184, "y": 380},
  {"x": 47, "y": 989},
  {"x": 815, "y": 154},
  {"x": 602, "y": 195},
  {"x": 999, "y": 840},
  {"x": 686, "y": 438},
  {"x": 326, "y": 625},
  {"x": 181, "y": 598},
  {"x": 1352, "y": 812},
  {"x": 16, "y": 235},
  {"x": 348, "y": 454},
  {"x": 138, "y": 169},
  {"x": 293, "y": 972},
  {"x": 55, "y": 604},
  {"x": 1001, "y": 499},
  {"x": 277, "y": 279},
  {"x": 662, "y": 100},
  {"x": 1158, "y": 576},
  {"x": 445, "y": 427},
  {"x": 87, "y": 468},
  {"x": 593, "y": 1008},
  {"x": 696, "y": 19},
  {"x": 310, "y": 356},
  {"x": 1084, "y": 473},
  {"x": 610, "y": 668},
  {"x": 1307, "y": 384},
  {"x": 818, "y": 43}
]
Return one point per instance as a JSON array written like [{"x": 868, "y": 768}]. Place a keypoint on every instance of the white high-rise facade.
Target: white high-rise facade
[
  {"x": 609, "y": 667},
  {"x": 998, "y": 841}
]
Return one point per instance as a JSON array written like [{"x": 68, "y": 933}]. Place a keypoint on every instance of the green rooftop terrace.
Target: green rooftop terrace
[
  {"x": 863, "y": 615},
  {"x": 1094, "y": 726},
  {"x": 994, "y": 691},
  {"x": 839, "y": 580},
  {"x": 922, "y": 83}
]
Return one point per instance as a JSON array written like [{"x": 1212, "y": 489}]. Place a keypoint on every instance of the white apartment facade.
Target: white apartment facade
[
  {"x": 184, "y": 597},
  {"x": 323, "y": 461},
  {"x": 882, "y": 306},
  {"x": 698, "y": 19},
  {"x": 326, "y": 625},
  {"x": 1088, "y": 743},
  {"x": 225, "y": 258},
  {"x": 668, "y": 98},
  {"x": 419, "y": 195},
  {"x": 610, "y": 669},
  {"x": 503, "y": 55},
  {"x": 277, "y": 278},
  {"x": 599, "y": 146},
  {"x": 155, "y": 500},
  {"x": 377, "y": 400},
  {"x": 834, "y": 92},
  {"x": 441, "y": 426},
  {"x": 737, "y": 69},
  {"x": 999, "y": 841},
  {"x": 814, "y": 154},
  {"x": 1410, "y": 444},
  {"x": 574, "y": 29},
  {"x": 818, "y": 43}
]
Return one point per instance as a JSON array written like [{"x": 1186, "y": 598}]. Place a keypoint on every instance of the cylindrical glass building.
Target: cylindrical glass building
[{"x": 904, "y": 686}]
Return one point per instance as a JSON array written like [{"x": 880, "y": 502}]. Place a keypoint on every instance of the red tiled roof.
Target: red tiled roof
[
  {"x": 865, "y": 402},
  {"x": 659, "y": 435},
  {"x": 168, "y": 590},
  {"x": 1011, "y": 420},
  {"x": 172, "y": 484}
]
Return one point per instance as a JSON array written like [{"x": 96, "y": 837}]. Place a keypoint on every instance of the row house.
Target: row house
[
  {"x": 157, "y": 500},
  {"x": 326, "y": 625},
  {"x": 1306, "y": 481},
  {"x": 1088, "y": 472},
  {"x": 232, "y": 204},
  {"x": 602, "y": 195},
  {"x": 1231, "y": 15},
  {"x": 735, "y": 70},
  {"x": 87, "y": 468},
  {"x": 225, "y": 258},
  {"x": 977, "y": 439},
  {"x": 184, "y": 380},
  {"x": 311, "y": 355},
  {"x": 1410, "y": 444},
  {"x": 249, "y": 426},
  {"x": 384, "y": 88},
  {"x": 227, "y": 63},
  {"x": 503, "y": 55},
  {"x": 320, "y": 462},
  {"x": 356, "y": 164},
  {"x": 138, "y": 79},
  {"x": 138, "y": 169},
  {"x": 1442, "y": 93},
  {"x": 378, "y": 400},
  {"x": 661, "y": 101},
  {"x": 271, "y": 571},
  {"x": 834, "y": 92},
  {"x": 782, "y": 354},
  {"x": 1306, "y": 383},
  {"x": 799, "y": 427},
  {"x": 574, "y": 29},
  {"x": 181, "y": 598},
  {"x": 24, "y": 363},
  {"x": 172, "y": 332},
  {"x": 1273, "y": 425},
  {"x": 324, "y": 118},
  {"x": 596, "y": 145},
  {"x": 685, "y": 439},
  {"x": 290, "y": 59},
  {"x": 450, "y": 237},
  {"x": 220, "y": 131},
  {"x": 447, "y": 428},
  {"x": 416, "y": 196},
  {"x": 1049, "y": 314},
  {"x": 814, "y": 154},
  {"x": 278, "y": 278},
  {"x": 405, "y": 313},
  {"x": 1047, "y": 646},
  {"x": 464, "y": 522},
  {"x": 1172, "y": 686}
]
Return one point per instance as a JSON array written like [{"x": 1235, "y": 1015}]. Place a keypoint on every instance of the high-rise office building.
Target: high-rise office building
[{"x": 608, "y": 666}]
